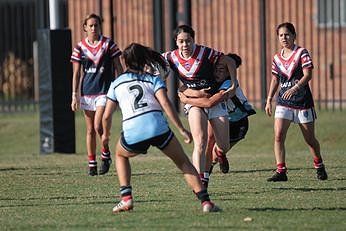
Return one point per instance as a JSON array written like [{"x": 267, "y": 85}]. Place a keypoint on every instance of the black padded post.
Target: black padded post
[{"x": 57, "y": 123}]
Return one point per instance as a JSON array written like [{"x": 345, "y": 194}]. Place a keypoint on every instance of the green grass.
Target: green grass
[{"x": 53, "y": 192}]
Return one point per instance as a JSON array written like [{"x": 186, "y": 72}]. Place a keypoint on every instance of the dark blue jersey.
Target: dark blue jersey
[
  {"x": 290, "y": 71},
  {"x": 195, "y": 72},
  {"x": 97, "y": 62}
]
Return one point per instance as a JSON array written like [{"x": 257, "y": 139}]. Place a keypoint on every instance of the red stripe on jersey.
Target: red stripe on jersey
[
  {"x": 75, "y": 55},
  {"x": 188, "y": 68},
  {"x": 306, "y": 61},
  {"x": 287, "y": 66},
  {"x": 94, "y": 53}
]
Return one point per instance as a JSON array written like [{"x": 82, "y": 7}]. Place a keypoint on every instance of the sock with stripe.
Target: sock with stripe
[
  {"x": 126, "y": 192},
  {"x": 105, "y": 155},
  {"x": 92, "y": 161},
  {"x": 318, "y": 162},
  {"x": 281, "y": 167}
]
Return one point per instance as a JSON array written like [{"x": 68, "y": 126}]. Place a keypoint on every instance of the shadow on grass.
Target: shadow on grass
[
  {"x": 309, "y": 189},
  {"x": 270, "y": 209},
  {"x": 273, "y": 169},
  {"x": 56, "y": 171},
  {"x": 70, "y": 200},
  {"x": 35, "y": 170},
  {"x": 12, "y": 169},
  {"x": 267, "y": 170}
]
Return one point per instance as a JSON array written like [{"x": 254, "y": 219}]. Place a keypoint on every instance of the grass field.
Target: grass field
[{"x": 53, "y": 192}]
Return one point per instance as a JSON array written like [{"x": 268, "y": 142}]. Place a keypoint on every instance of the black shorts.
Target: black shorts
[
  {"x": 238, "y": 130},
  {"x": 160, "y": 142}
]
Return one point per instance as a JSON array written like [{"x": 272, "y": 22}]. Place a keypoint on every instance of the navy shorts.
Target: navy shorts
[
  {"x": 238, "y": 130},
  {"x": 160, "y": 141}
]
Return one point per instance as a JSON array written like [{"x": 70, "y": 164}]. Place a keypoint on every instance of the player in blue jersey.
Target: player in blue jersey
[
  {"x": 238, "y": 111},
  {"x": 193, "y": 64},
  {"x": 292, "y": 71},
  {"x": 142, "y": 99},
  {"x": 98, "y": 56}
]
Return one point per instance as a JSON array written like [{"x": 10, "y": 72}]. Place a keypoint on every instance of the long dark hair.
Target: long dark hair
[{"x": 137, "y": 57}]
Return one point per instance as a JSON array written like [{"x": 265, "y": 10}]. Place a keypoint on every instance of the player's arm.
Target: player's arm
[
  {"x": 161, "y": 96},
  {"x": 204, "y": 102},
  {"x": 274, "y": 84},
  {"x": 196, "y": 93},
  {"x": 75, "y": 85},
  {"x": 307, "y": 75},
  {"x": 232, "y": 69}
]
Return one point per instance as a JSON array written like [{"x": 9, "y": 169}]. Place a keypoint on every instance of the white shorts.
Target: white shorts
[
  {"x": 298, "y": 116},
  {"x": 219, "y": 110},
  {"x": 91, "y": 102}
]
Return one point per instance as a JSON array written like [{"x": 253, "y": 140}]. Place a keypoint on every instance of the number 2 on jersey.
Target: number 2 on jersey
[{"x": 137, "y": 102}]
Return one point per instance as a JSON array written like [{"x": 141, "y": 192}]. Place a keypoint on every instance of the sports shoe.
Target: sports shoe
[
  {"x": 209, "y": 207},
  {"x": 321, "y": 173},
  {"x": 93, "y": 171},
  {"x": 105, "y": 164},
  {"x": 223, "y": 161},
  {"x": 123, "y": 206},
  {"x": 278, "y": 176}
]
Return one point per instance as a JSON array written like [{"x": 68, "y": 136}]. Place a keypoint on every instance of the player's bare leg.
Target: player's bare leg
[
  {"x": 198, "y": 125},
  {"x": 221, "y": 133},
  {"x": 280, "y": 130},
  {"x": 308, "y": 130},
  {"x": 175, "y": 152},
  {"x": 123, "y": 167}
]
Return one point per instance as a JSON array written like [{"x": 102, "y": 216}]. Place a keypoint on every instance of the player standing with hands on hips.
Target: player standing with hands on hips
[
  {"x": 99, "y": 57},
  {"x": 142, "y": 98},
  {"x": 292, "y": 70}
]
